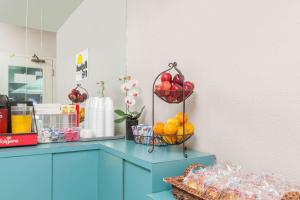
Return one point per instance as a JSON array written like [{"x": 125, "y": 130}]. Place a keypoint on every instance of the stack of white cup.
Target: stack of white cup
[{"x": 99, "y": 118}]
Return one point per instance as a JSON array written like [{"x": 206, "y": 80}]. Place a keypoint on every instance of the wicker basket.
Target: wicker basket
[{"x": 184, "y": 192}]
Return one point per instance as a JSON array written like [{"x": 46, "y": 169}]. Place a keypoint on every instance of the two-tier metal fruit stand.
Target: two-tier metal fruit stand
[{"x": 184, "y": 94}]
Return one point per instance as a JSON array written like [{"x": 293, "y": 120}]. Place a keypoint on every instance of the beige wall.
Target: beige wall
[
  {"x": 244, "y": 57},
  {"x": 100, "y": 27}
]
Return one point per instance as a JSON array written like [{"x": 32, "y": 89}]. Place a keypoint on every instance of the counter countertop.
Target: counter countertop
[
  {"x": 165, "y": 195},
  {"x": 128, "y": 150}
]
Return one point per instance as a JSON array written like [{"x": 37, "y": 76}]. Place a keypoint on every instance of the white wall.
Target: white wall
[
  {"x": 244, "y": 57},
  {"x": 12, "y": 42},
  {"x": 99, "y": 26}
]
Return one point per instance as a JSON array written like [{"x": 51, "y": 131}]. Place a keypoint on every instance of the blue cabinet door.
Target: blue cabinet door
[
  {"x": 26, "y": 177},
  {"x": 75, "y": 175},
  {"x": 137, "y": 182},
  {"x": 111, "y": 177}
]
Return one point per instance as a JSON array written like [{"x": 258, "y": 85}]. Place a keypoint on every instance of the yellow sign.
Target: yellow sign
[{"x": 82, "y": 65}]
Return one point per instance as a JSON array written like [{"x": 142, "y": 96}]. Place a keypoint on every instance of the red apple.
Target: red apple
[
  {"x": 158, "y": 90},
  {"x": 72, "y": 97},
  {"x": 166, "y": 76},
  {"x": 80, "y": 98},
  {"x": 166, "y": 86},
  {"x": 188, "y": 88},
  {"x": 84, "y": 95},
  {"x": 189, "y": 84},
  {"x": 176, "y": 90},
  {"x": 178, "y": 79},
  {"x": 171, "y": 99},
  {"x": 180, "y": 98},
  {"x": 74, "y": 91}
]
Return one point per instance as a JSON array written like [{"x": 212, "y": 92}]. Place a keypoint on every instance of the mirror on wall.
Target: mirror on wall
[
  {"x": 39, "y": 41},
  {"x": 28, "y": 47}
]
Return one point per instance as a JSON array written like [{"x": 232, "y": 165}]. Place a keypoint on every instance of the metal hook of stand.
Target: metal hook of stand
[
  {"x": 184, "y": 152},
  {"x": 172, "y": 65},
  {"x": 183, "y": 112},
  {"x": 150, "y": 150}
]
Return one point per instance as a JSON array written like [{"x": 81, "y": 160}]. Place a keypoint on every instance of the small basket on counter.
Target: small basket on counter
[
  {"x": 195, "y": 185},
  {"x": 168, "y": 95},
  {"x": 143, "y": 135},
  {"x": 57, "y": 123},
  {"x": 78, "y": 94}
]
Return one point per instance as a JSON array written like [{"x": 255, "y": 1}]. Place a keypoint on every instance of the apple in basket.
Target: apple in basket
[
  {"x": 158, "y": 90},
  {"x": 176, "y": 90},
  {"x": 188, "y": 88},
  {"x": 171, "y": 99},
  {"x": 178, "y": 79},
  {"x": 166, "y": 86},
  {"x": 166, "y": 76}
]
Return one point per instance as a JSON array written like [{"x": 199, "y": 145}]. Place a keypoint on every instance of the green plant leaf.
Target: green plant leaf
[
  {"x": 134, "y": 113},
  {"x": 120, "y": 120},
  {"x": 132, "y": 118},
  {"x": 140, "y": 113},
  {"x": 120, "y": 112}
]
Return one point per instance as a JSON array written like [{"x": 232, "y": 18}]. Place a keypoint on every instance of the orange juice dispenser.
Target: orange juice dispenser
[
  {"x": 23, "y": 125},
  {"x": 21, "y": 118}
]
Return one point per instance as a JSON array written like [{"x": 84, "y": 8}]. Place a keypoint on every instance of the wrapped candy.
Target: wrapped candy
[
  {"x": 195, "y": 180},
  {"x": 227, "y": 181},
  {"x": 72, "y": 135},
  {"x": 230, "y": 194}
]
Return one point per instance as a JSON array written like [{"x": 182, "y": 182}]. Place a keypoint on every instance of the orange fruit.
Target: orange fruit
[
  {"x": 180, "y": 134},
  {"x": 182, "y": 119},
  {"x": 170, "y": 131},
  {"x": 170, "y": 139},
  {"x": 170, "y": 128},
  {"x": 158, "y": 128},
  {"x": 188, "y": 128},
  {"x": 174, "y": 121}
]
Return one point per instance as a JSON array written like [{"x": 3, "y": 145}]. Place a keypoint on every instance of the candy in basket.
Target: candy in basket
[
  {"x": 226, "y": 181},
  {"x": 143, "y": 135}
]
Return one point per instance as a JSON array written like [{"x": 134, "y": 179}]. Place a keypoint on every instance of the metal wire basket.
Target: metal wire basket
[{"x": 180, "y": 98}]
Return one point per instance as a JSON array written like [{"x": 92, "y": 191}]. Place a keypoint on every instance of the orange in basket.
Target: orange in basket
[
  {"x": 170, "y": 131},
  {"x": 158, "y": 128},
  {"x": 182, "y": 119}
]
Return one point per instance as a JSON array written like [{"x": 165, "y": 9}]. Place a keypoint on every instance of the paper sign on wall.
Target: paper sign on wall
[{"x": 82, "y": 65}]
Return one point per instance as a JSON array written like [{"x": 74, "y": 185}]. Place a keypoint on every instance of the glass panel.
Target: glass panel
[{"x": 25, "y": 84}]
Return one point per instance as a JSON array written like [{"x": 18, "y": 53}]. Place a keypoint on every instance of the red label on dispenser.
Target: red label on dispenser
[{"x": 18, "y": 140}]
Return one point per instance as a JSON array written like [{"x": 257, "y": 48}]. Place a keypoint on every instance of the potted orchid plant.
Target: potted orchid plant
[{"x": 131, "y": 90}]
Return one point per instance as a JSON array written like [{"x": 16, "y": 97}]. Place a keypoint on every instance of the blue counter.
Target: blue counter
[
  {"x": 111, "y": 169},
  {"x": 165, "y": 195}
]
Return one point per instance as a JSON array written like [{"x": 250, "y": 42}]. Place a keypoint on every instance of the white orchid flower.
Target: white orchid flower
[
  {"x": 125, "y": 87},
  {"x": 134, "y": 92},
  {"x": 134, "y": 83},
  {"x": 130, "y": 101}
]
